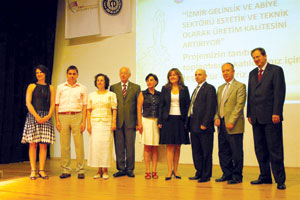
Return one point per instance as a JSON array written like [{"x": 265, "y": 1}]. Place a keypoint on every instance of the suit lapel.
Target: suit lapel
[
  {"x": 201, "y": 89},
  {"x": 119, "y": 89},
  {"x": 231, "y": 89}
]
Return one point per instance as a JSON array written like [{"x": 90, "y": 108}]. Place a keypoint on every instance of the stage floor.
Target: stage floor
[{"x": 15, "y": 184}]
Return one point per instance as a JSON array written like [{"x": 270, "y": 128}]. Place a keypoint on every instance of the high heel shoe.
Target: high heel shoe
[
  {"x": 32, "y": 177},
  {"x": 177, "y": 177},
  {"x": 147, "y": 175},
  {"x": 43, "y": 177},
  {"x": 154, "y": 175},
  {"x": 167, "y": 178}
]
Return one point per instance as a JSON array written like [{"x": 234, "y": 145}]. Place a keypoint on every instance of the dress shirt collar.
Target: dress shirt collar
[
  {"x": 200, "y": 85},
  {"x": 264, "y": 67},
  {"x": 125, "y": 84},
  {"x": 230, "y": 82},
  {"x": 69, "y": 85}
]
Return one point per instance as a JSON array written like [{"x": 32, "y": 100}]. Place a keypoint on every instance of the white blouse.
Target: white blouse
[{"x": 175, "y": 107}]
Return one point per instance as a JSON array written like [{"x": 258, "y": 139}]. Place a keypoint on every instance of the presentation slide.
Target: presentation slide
[{"x": 192, "y": 34}]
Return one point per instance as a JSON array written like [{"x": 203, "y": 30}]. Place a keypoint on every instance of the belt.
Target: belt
[{"x": 68, "y": 113}]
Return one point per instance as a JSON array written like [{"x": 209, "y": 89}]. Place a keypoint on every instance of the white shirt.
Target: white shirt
[
  {"x": 71, "y": 98},
  {"x": 101, "y": 105},
  {"x": 263, "y": 68},
  {"x": 122, "y": 84},
  {"x": 174, "y": 107}
]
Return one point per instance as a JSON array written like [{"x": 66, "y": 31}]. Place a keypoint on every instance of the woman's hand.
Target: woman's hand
[
  {"x": 39, "y": 119},
  {"x": 140, "y": 128}
]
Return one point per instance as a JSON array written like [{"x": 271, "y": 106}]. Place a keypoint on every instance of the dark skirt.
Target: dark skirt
[{"x": 173, "y": 132}]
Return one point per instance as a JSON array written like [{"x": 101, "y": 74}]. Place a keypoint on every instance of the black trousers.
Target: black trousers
[
  {"x": 202, "y": 148},
  {"x": 231, "y": 154},
  {"x": 124, "y": 139},
  {"x": 268, "y": 143}
]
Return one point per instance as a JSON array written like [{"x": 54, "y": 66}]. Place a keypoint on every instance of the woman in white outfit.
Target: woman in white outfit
[{"x": 101, "y": 122}]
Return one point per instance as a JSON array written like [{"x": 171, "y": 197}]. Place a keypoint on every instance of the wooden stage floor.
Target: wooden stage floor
[{"x": 15, "y": 184}]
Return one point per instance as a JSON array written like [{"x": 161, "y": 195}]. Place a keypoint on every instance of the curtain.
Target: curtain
[{"x": 27, "y": 36}]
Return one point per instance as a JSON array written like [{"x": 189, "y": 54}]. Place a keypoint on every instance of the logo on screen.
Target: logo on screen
[{"x": 112, "y": 7}]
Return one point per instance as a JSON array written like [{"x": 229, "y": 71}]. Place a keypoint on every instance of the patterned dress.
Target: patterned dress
[{"x": 33, "y": 131}]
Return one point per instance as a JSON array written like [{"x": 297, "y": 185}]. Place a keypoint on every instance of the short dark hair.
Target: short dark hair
[
  {"x": 72, "y": 67},
  {"x": 106, "y": 79},
  {"x": 43, "y": 69},
  {"x": 228, "y": 63},
  {"x": 154, "y": 76},
  {"x": 262, "y": 51}
]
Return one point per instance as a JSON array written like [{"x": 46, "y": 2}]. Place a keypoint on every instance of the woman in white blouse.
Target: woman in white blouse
[
  {"x": 173, "y": 108},
  {"x": 101, "y": 122}
]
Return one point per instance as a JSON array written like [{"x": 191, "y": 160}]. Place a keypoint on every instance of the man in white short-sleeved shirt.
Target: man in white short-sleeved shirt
[{"x": 70, "y": 113}]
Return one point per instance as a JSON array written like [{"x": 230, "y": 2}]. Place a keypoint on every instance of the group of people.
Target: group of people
[{"x": 162, "y": 118}]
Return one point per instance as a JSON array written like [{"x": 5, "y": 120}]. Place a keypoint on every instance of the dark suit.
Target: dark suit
[
  {"x": 164, "y": 110},
  {"x": 266, "y": 98},
  {"x": 204, "y": 109},
  {"x": 126, "y": 122}
]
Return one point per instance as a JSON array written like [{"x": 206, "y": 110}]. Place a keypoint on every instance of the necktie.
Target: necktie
[
  {"x": 260, "y": 74},
  {"x": 124, "y": 90},
  {"x": 193, "y": 100},
  {"x": 224, "y": 96}
]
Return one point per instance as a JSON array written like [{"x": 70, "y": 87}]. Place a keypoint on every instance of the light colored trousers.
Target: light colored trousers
[{"x": 71, "y": 123}]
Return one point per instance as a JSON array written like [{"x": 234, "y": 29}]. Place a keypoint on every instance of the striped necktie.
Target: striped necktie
[{"x": 124, "y": 90}]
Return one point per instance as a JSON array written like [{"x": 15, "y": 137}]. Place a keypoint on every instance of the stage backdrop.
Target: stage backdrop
[{"x": 93, "y": 55}]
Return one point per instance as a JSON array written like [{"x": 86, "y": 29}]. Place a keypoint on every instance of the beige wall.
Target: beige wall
[{"x": 93, "y": 55}]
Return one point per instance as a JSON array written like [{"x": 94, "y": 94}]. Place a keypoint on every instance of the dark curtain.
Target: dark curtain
[{"x": 27, "y": 36}]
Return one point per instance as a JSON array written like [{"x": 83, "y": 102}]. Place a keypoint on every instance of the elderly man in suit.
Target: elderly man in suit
[
  {"x": 201, "y": 123},
  {"x": 266, "y": 95},
  {"x": 124, "y": 137},
  {"x": 230, "y": 121}
]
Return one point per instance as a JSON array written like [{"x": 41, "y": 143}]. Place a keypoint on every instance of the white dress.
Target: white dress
[{"x": 101, "y": 139}]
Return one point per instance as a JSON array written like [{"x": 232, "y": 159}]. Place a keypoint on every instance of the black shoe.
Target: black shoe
[
  {"x": 203, "y": 180},
  {"x": 223, "y": 178},
  {"x": 130, "y": 174},
  {"x": 167, "y": 178},
  {"x": 43, "y": 177},
  {"x": 281, "y": 186},
  {"x": 234, "y": 181},
  {"x": 194, "y": 178},
  {"x": 119, "y": 173},
  {"x": 177, "y": 177},
  {"x": 64, "y": 175},
  {"x": 81, "y": 176},
  {"x": 261, "y": 181}
]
